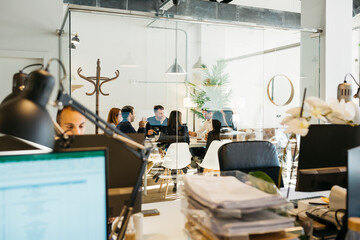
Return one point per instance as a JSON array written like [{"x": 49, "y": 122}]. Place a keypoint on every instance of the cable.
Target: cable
[
  {"x": 62, "y": 67},
  {"x": 32, "y": 65},
  {"x": 349, "y": 74}
]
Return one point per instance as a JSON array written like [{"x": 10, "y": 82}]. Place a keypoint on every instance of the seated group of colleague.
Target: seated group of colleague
[{"x": 172, "y": 129}]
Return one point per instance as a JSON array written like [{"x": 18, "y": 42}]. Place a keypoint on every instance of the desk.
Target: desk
[{"x": 168, "y": 225}]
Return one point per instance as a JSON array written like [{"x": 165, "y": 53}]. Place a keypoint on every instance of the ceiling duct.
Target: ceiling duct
[{"x": 199, "y": 10}]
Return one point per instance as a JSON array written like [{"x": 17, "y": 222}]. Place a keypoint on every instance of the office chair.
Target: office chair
[
  {"x": 177, "y": 157},
  {"x": 211, "y": 159},
  {"x": 249, "y": 157}
]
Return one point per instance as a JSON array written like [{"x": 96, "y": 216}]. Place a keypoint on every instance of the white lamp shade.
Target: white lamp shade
[
  {"x": 199, "y": 65},
  {"x": 128, "y": 61},
  {"x": 176, "y": 69}
]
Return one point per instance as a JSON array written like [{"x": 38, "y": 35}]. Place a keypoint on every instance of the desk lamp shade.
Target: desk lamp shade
[
  {"x": 19, "y": 82},
  {"x": 26, "y": 117}
]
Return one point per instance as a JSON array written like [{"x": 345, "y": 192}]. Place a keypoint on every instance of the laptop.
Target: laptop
[{"x": 54, "y": 196}]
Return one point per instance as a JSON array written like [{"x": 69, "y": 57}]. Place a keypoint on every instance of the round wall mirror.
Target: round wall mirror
[{"x": 280, "y": 90}]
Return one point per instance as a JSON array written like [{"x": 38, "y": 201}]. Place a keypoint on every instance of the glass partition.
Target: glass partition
[{"x": 245, "y": 78}]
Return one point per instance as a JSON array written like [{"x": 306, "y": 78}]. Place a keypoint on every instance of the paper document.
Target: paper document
[{"x": 228, "y": 192}]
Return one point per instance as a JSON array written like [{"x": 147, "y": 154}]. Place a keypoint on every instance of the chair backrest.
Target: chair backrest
[
  {"x": 250, "y": 156},
  {"x": 177, "y": 156},
  {"x": 211, "y": 159}
]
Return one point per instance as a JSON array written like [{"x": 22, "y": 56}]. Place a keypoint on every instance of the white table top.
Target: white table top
[{"x": 168, "y": 225}]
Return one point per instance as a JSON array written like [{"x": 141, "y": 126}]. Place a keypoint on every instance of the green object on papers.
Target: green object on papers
[{"x": 264, "y": 187}]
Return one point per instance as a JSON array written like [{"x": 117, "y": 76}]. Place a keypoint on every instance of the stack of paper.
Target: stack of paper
[
  {"x": 228, "y": 207},
  {"x": 228, "y": 192}
]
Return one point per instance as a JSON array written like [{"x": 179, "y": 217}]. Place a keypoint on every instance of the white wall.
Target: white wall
[
  {"x": 29, "y": 26},
  {"x": 110, "y": 38}
]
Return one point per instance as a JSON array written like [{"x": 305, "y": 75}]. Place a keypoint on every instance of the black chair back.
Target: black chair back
[{"x": 250, "y": 156}]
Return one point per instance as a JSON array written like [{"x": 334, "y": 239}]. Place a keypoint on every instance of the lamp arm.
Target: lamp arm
[
  {"x": 128, "y": 143},
  {"x": 127, "y": 209},
  {"x": 349, "y": 74}
]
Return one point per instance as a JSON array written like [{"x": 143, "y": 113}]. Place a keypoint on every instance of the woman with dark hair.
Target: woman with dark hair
[
  {"x": 114, "y": 116},
  {"x": 211, "y": 136},
  {"x": 175, "y": 130},
  {"x": 214, "y": 134}
]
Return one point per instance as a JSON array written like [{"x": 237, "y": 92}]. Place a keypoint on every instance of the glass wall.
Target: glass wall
[{"x": 246, "y": 78}]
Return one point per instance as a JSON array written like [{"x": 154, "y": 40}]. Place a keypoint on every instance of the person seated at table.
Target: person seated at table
[
  {"x": 175, "y": 131},
  {"x": 155, "y": 123},
  {"x": 206, "y": 127},
  {"x": 213, "y": 134},
  {"x": 71, "y": 121},
  {"x": 128, "y": 115},
  {"x": 114, "y": 116}
]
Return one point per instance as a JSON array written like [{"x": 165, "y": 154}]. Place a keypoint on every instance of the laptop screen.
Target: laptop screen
[{"x": 53, "y": 196}]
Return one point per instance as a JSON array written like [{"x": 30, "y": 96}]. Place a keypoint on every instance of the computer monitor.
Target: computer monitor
[
  {"x": 225, "y": 117},
  {"x": 323, "y": 156},
  {"x": 53, "y": 196},
  {"x": 353, "y": 193},
  {"x": 123, "y": 168}
]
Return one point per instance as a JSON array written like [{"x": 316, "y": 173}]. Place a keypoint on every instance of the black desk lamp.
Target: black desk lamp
[
  {"x": 19, "y": 82},
  {"x": 27, "y": 119}
]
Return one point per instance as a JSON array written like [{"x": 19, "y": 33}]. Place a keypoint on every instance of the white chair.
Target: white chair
[
  {"x": 211, "y": 159},
  {"x": 177, "y": 157}
]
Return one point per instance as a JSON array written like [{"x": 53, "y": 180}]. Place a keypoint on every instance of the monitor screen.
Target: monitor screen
[
  {"x": 353, "y": 193},
  {"x": 323, "y": 156},
  {"x": 53, "y": 196},
  {"x": 224, "y": 116},
  {"x": 123, "y": 169}
]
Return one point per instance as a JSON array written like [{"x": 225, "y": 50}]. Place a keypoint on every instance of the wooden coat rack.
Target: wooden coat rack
[{"x": 97, "y": 85}]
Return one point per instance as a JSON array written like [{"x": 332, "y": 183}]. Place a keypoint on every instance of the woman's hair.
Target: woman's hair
[
  {"x": 113, "y": 116},
  {"x": 216, "y": 124},
  {"x": 175, "y": 120}
]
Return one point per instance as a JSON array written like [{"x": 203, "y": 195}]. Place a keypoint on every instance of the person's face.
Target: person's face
[
  {"x": 132, "y": 116},
  {"x": 119, "y": 117},
  {"x": 72, "y": 122},
  {"x": 207, "y": 115},
  {"x": 159, "y": 114}
]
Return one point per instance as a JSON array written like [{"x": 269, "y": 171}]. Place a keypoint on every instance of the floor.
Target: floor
[{"x": 153, "y": 194}]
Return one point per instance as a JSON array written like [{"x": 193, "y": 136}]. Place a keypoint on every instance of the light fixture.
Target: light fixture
[
  {"x": 19, "y": 82},
  {"x": 128, "y": 61},
  {"x": 75, "y": 39},
  {"x": 199, "y": 65},
  {"x": 176, "y": 68},
  {"x": 26, "y": 117},
  {"x": 344, "y": 90},
  {"x": 72, "y": 46}
]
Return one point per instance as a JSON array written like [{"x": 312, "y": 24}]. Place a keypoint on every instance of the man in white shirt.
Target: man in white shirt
[{"x": 206, "y": 127}]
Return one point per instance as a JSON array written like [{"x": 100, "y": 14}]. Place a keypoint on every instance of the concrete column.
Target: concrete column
[{"x": 325, "y": 59}]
